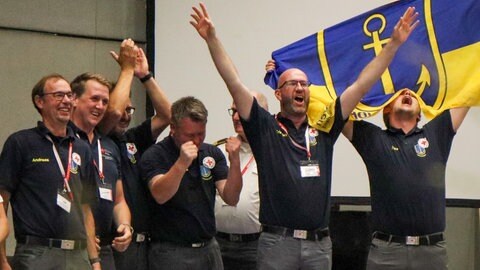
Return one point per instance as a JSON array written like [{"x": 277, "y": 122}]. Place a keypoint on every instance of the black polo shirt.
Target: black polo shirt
[
  {"x": 132, "y": 145},
  {"x": 30, "y": 173},
  {"x": 103, "y": 210},
  {"x": 407, "y": 175},
  {"x": 286, "y": 198},
  {"x": 188, "y": 217}
]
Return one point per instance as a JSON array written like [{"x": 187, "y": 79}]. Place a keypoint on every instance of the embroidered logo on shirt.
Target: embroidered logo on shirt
[
  {"x": 421, "y": 147},
  {"x": 312, "y": 136},
  {"x": 394, "y": 148},
  {"x": 37, "y": 160},
  {"x": 131, "y": 151},
  {"x": 205, "y": 172},
  {"x": 208, "y": 162},
  {"x": 107, "y": 154},
  {"x": 76, "y": 162}
]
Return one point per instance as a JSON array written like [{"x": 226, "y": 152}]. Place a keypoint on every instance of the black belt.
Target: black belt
[
  {"x": 312, "y": 235},
  {"x": 234, "y": 237},
  {"x": 423, "y": 240},
  {"x": 182, "y": 244},
  {"x": 52, "y": 243}
]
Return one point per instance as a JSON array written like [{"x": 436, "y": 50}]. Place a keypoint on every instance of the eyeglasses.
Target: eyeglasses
[
  {"x": 59, "y": 95},
  {"x": 293, "y": 83},
  {"x": 232, "y": 111},
  {"x": 130, "y": 110}
]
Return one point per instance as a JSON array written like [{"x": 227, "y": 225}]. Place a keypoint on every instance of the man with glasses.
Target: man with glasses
[
  {"x": 238, "y": 228},
  {"x": 46, "y": 173},
  {"x": 132, "y": 144},
  {"x": 295, "y": 159}
]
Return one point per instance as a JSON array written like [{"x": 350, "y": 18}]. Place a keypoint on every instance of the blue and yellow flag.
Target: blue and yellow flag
[{"x": 440, "y": 61}]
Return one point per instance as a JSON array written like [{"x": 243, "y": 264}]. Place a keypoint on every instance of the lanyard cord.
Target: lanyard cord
[
  {"x": 307, "y": 141},
  {"x": 66, "y": 175}
]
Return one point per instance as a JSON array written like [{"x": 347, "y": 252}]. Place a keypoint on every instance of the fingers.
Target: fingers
[{"x": 114, "y": 55}]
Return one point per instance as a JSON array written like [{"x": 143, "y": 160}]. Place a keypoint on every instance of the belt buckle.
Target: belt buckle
[
  {"x": 300, "y": 234},
  {"x": 412, "y": 241},
  {"x": 197, "y": 245},
  {"x": 67, "y": 244},
  {"x": 235, "y": 237},
  {"x": 140, "y": 237}
]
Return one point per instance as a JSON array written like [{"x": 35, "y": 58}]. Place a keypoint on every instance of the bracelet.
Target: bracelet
[
  {"x": 146, "y": 77},
  {"x": 130, "y": 226},
  {"x": 95, "y": 260}
]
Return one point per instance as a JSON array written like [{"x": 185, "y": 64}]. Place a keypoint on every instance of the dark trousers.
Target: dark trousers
[
  {"x": 106, "y": 254},
  {"x": 135, "y": 257},
  {"x": 33, "y": 257},
  {"x": 238, "y": 255},
  {"x": 169, "y": 256}
]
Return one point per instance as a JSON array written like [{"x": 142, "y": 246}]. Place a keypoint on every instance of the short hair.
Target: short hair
[
  {"x": 189, "y": 107},
  {"x": 39, "y": 88},
  {"x": 78, "y": 84}
]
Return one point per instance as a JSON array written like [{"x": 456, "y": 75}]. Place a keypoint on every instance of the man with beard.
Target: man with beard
[
  {"x": 132, "y": 144},
  {"x": 406, "y": 168},
  {"x": 294, "y": 158}
]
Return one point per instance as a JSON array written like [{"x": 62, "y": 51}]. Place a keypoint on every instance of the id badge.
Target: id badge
[
  {"x": 63, "y": 201},
  {"x": 106, "y": 192},
  {"x": 309, "y": 168}
]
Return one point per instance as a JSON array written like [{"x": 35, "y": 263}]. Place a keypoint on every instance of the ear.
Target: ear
[
  {"x": 278, "y": 94},
  {"x": 38, "y": 101}
]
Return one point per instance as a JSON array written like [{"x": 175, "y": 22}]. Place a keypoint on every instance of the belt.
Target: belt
[
  {"x": 234, "y": 237},
  {"x": 423, "y": 240},
  {"x": 52, "y": 243},
  {"x": 311, "y": 235}
]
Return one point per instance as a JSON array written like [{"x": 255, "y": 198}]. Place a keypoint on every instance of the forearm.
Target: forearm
[
  {"x": 89, "y": 224},
  {"x": 164, "y": 187},
  {"x": 161, "y": 104},
  {"x": 121, "y": 213},
  {"x": 118, "y": 102},
  {"x": 240, "y": 93},
  {"x": 234, "y": 183}
]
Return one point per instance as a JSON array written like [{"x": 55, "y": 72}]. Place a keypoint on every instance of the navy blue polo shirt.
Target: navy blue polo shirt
[
  {"x": 286, "y": 198},
  {"x": 30, "y": 173},
  {"x": 407, "y": 175},
  {"x": 132, "y": 145},
  {"x": 188, "y": 217},
  {"x": 103, "y": 210}
]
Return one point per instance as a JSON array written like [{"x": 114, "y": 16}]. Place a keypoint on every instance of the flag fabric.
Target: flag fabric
[{"x": 440, "y": 61}]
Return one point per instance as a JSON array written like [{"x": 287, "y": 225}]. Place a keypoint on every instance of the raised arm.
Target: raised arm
[
  {"x": 159, "y": 99},
  {"x": 120, "y": 95},
  {"x": 240, "y": 93},
  {"x": 457, "y": 115},
  {"x": 373, "y": 71}
]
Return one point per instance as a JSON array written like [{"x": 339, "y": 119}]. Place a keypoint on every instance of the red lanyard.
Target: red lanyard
[
  {"x": 65, "y": 174},
  {"x": 100, "y": 162},
  {"x": 247, "y": 165},
  {"x": 307, "y": 139}
]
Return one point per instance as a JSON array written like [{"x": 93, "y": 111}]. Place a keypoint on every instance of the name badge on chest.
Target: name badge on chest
[
  {"x": 309, "y": 168},
  {"x": 106, "y": 192},
  {"x": 63, "y": 201}
]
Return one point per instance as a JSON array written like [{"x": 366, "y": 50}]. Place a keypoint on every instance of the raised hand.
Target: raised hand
[
  {"x": 232, "y": 147},
  {"x": 127, "y": 55},
  {"x": 202, "y": 22},
  {"x": 141, "y": 64},
  {"x": 407, "y": 23},
  {"x": 188, "y": 152}
]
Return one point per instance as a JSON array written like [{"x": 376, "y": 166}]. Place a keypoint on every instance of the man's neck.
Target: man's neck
[
  {"x": 405, "y": 124},
  {"x": 85, "y": 128},
  {"x": 56, "y": 128},
  {"x": 297, "y": 120}
]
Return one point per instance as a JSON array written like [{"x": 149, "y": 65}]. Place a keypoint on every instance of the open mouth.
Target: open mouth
[
  {"x": 407, "y": 100},
  {"x": 299, "y": 99}
]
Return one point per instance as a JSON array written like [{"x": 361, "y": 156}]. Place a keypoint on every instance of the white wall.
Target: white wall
[{"x": 250, "y": 31}]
